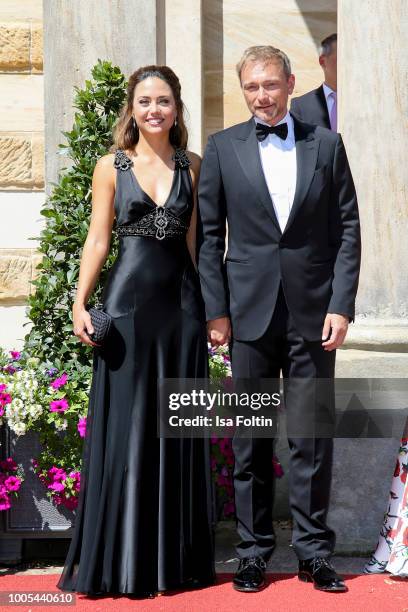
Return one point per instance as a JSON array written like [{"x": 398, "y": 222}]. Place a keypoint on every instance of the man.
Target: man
[
  {"x": 320, "y": 105},
  {"x": 285, "y": 295}
]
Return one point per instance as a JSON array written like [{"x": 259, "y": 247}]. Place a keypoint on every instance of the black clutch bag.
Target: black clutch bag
[{"x": 101, "y": 322}]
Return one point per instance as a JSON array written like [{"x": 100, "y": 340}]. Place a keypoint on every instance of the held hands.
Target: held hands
[
  {"x": 219, "y": 331},
  {"x": 336, "y": 327},
  {"x": 82, "y": 324}
]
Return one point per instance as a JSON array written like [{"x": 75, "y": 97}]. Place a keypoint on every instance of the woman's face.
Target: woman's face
[{"x": 154, "y": 107}]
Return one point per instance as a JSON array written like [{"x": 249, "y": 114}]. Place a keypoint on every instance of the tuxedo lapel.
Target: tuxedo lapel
[
  {"x": 247, "y": 150},
  {"x": 307, "y": 148}
]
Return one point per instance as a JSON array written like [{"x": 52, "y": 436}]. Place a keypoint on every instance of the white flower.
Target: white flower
[
  {"x": 60, "y": 426},
  {"x": 33, "y": 361},
  {"x": 17, "y": 403},
  {"x": 18, "y": 428},
  {"x": 35, "y": 411}
]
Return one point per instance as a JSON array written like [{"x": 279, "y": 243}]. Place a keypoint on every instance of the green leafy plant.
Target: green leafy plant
[{"x": 67, "y": 214}]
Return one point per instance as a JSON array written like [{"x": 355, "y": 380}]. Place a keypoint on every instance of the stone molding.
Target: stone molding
[
  {"x": 17, "y": 270},
  {"x": 379, "y": 335},
  {"x": 21, "y": 47},
  {"x": 21, "y": 161}
]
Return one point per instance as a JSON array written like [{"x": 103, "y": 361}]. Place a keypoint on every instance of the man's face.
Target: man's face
[
  {"x": 329, "y": 65},
  {"x": 266, "y": 89}
]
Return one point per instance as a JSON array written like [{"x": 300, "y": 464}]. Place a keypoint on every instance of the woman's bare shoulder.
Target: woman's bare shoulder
[{"x": 106, "y": 161}]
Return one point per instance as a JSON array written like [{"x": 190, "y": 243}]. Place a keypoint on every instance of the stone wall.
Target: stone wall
[{"x": 21, "y": 157}]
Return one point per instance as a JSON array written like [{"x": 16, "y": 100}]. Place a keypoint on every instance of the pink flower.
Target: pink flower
[
  {"x": 59, "y": 405},
  {"x": 223, "y": 481},
  {"x": 55, "y": 473},
  {"x": 225, "y": 446},
  {"x": 230, "y": 459},
  {"x": 8, "y": 465},
  {"x": 59, "y": 382},
  {"x": 56, "y": 486},
  {"x": 15, "y": 355},
  {"x": 4, "y": 502},
  {"x": 3, "y": 387},
  {"x": 12, "y": 483},
  {"x": 277, "y": 468},
  {"x": 229, "y": 508},
  {"x": 9, "y": 369},
  {"x": 82, "y": 427},
  {"x": 70, "y": 502},
  {"x": 5, "y": 398}
]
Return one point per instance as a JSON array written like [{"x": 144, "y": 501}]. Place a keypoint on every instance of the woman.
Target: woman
[
  {"x": 143, "y": 523},
  {"x": 391, "y": 554}
]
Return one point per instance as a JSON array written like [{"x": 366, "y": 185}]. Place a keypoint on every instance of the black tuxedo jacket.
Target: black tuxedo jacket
[
  {"x": 316, "y": 258},
  {"x": 312, "y": 108}
]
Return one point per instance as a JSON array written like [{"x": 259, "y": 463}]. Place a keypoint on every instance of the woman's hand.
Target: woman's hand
[{"x": 82, "y": 324}]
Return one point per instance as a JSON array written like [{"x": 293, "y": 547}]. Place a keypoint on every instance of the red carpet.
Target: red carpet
[{"x": 379, "y": 593}]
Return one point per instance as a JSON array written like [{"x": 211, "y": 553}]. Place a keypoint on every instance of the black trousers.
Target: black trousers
[{"x": 281, "y": 348}]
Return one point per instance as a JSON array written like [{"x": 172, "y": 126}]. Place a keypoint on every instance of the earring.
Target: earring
[
  {"x": 175, "y": 122},
  {"x": 134, "y": 126}
]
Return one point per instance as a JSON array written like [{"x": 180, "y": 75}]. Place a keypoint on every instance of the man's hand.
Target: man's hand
[
  {"x": 219, "y": 331},
  {"x": 338, "y": 326}
]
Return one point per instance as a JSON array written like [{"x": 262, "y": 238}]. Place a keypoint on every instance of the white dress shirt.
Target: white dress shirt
[
  {"x": 329, "y": 98},
  {"x": 278, "y": 158}
]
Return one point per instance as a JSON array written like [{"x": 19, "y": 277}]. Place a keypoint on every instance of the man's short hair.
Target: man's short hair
[
  {"x": 264, "y": 53},
  {"x": 326, "y": 46}
]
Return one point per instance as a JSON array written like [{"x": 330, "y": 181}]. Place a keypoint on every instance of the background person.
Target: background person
[{"x": 320, "y": 105}]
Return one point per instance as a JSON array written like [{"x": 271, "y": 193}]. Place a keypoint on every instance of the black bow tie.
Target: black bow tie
[{"x": 280, "y": 130}]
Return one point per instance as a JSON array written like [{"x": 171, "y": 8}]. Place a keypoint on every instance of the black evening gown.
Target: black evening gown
[{"x": 144, "y": 519}]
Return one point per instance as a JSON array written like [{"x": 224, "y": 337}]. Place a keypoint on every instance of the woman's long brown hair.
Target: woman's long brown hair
[{"x": 126, "y": 132}]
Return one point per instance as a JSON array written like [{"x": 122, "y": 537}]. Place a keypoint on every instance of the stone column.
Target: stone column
[
  {"x": 183, "y": 20},
  {"x": 373, "y": 93},
  {"x": 373, "y": 119},
  {"x": 76, "y": 35}
]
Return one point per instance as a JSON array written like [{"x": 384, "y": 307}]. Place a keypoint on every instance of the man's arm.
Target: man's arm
[
  {"x": 211, "y": 239},
  {"x": 344, "y": 236}
]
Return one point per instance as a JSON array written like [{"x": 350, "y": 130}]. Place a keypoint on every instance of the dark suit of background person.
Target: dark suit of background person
[
  {"x": 316, "y": 105},
  {"x": 277, "y": 285}
]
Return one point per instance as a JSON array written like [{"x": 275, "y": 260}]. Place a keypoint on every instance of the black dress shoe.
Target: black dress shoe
[
  {"x": 250, "y": 576},
  {"x": 323, "y": 575}
]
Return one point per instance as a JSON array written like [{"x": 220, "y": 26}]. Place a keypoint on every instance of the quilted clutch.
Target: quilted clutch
[{"x": 101, "y": 322}]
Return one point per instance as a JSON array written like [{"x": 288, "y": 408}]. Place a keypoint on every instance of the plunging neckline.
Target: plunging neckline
[{"x": 146, "y": 194}]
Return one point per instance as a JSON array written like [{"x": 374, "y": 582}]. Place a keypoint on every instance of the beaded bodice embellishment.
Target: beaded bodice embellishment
[{"x": 160, "y": 223}]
